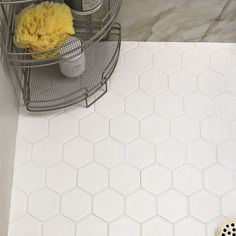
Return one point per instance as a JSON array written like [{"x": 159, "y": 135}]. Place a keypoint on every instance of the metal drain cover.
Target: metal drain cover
[{"x": 226, "y": 227}]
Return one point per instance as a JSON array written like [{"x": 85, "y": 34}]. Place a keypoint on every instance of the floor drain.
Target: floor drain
[{"x": 227, "y": 227}]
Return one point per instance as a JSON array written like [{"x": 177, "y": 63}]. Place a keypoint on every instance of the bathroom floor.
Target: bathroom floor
[{"x": 155, "y": 156}]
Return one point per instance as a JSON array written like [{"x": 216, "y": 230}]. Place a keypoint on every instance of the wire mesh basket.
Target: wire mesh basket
[{"x": 43, "y": 86}]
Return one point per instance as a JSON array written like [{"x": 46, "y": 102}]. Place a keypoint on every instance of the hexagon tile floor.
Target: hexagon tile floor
[{"x": 155, "y": 156}]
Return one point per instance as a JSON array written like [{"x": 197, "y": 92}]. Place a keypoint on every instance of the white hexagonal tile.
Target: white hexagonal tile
[
  {"x": 172, "y": 200},
  {"x": 225, "y": 106},
  {"x": 80, "y": 111},
  {"x": 27, "y": 226},
  {"x": 214, "y": 129},
  {"x": 223, "y": 61},
  {"x": 108, "y": 205},
  {"x": 169, "y": 105},
  {"x": 140, "y": 153},
  {"x": 29, "y": 177},
  {"x": 76, "y": 204},
  {"x": 124, "y": 81},
  {"x": 228, "y": 204},
  {"x": 211, "y": 83},
  {"x": 124, "y": 178},
  {"x": 141, "y": 206},
  {"x": 152, "y": 46},
  {"x": 224, "y": 179},
  {"x": 61, "y": 177},
  {"x": 154, "y": 129},
  {"x": 227, "y": 154},
  {"x": 23, "y": 153},
  {"x": 167, "y": 59},
  {"x": 112, "y": 104},
  {"x": 78, "y": 152},
  {"x": 209, "y": 47},
  {"x": 138, "y": 59},
  {"x": 94, "y": 127},
  {"x": 185, "y": 129},
  {"x": 23, "y": 112},
  {"x": 139, "y": 105},
  {"x": 63, "y": 127},
  {"x": 59, "y": 226},
  {"x": 18, "y": 204},
  {"x": 43, "y": 204},
  {"x": 170, "y": 154},
  {"x": 124, "y": 128},
  {"x": 156, "y": 179},
  {"x": 231, "y": 83},
  {"x": 109, "y": 152},
  {"x": 93, "y": 178},
  {"x": 187, "y": 179},
  {"x": 180, "y": 46},
  {"x": 33, "y": 128},
  {"x": 188, "y": 227},
  {"x": 182, "y": 82},
  {"x": 120, "y": 63},
  {"x": 233, "y": 129},
  {"x": 124, "y": 227},
  {"x": 126, "y": 46},
  {"x": 202, "y": 201},
  {"x": 198, "y": 105},
  {"x": 201, "y": 154},
  {"x": 153, "y": 82},
  {"x": 91, "y": 226},
  {"x": 47, "y": 152},
  {"x": 157, "y": 226},
  {"x": 195, "y": 60},
  {"x": 230, "y": 47}
]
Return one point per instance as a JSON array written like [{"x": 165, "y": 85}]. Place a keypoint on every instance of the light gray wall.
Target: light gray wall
[
  {"x": 8, "y": 127},
  {"x": 178, "y": 20}
]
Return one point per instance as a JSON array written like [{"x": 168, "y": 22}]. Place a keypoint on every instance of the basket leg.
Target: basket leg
[{"x": 88, "y": 104}]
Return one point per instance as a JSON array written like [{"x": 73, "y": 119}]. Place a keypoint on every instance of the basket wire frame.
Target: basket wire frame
[
  {"x": 43, "y": 87},
  {"x": 96, "y": 28}
]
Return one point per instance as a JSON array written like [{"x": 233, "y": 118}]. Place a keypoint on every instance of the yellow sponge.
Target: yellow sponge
[{"x": 42, "y": 27}]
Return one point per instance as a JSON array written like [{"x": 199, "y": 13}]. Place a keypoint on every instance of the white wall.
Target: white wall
[{"x": 8, "y": 126}]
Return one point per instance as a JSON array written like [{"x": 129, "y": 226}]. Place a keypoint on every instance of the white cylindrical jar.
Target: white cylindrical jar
[
  {"x": 74, "y": 67},
  {"x": 84, "y": 7}
]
